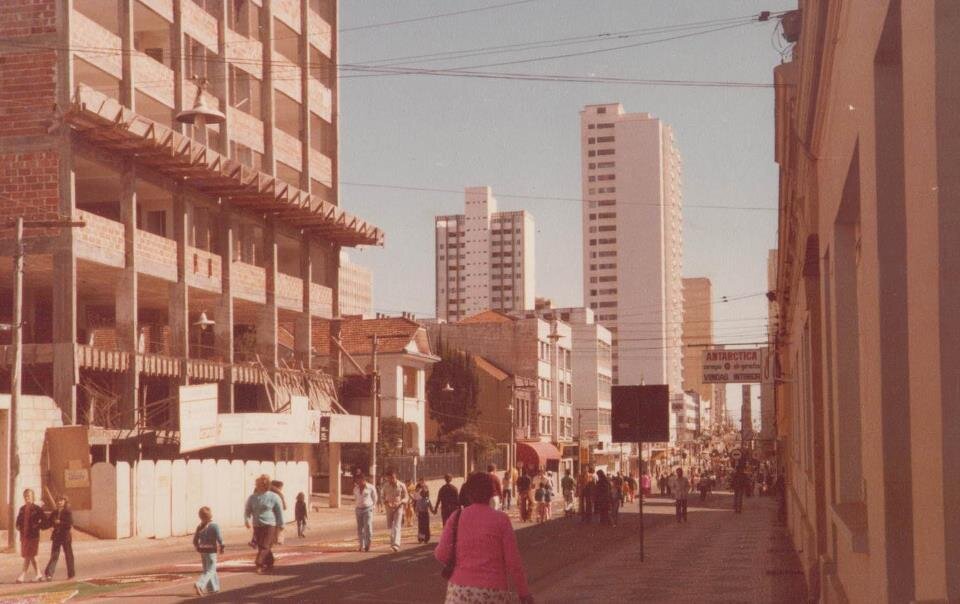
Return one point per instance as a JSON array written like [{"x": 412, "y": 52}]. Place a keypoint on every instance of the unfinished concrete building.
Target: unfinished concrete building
[{"x": 208, "y": 248}]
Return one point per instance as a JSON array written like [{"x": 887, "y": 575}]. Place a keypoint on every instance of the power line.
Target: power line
[
  {"x": 545, "y": 197},
  {"x": 436, "y": 16}
]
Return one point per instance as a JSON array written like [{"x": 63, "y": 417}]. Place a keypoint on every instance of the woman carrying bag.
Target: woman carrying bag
[{"x": 479, "y": 551}]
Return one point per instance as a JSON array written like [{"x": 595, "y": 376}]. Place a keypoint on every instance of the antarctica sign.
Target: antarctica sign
[{"x": 730, "y": 366}]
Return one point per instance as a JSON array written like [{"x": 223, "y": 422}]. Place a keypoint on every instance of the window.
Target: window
[
  {"x": 591, "y": 140},
  {"x": 604, "y": 125},
  {"x": 601, "y": 110},
  {"x": 591, "y": 153},
  {"x": 606, "y": 139},
  {"x": 607, "y": 164},
  {"x": 604, "y": 152}
]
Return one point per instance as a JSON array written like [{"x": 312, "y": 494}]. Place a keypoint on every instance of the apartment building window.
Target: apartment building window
[
  {"x": 605, "y": 152},
  {"x": 245, "y": 92},
  {"x": 243, "y": 17},
  {"x": 606, "y": 164},
  {"x": 591, "y": 140},
  {"x": 608, "y": 292},
  {"x": 608, "y": 305},
  {"x": 604, "y": 125},
  {"x": 608, "y": 229},
  {"x": 606, "y": 139},
  {"x": 590, "y": 126},
  {"x": 607, "y": 241},
  {"x": 196, "y": 59},
  {"x": 601, "y": 109},
  {"x": 591, "y": 166},
  {"x": 607, "y": 203},
  {"x": 410, "y": 382},
  {"x": 591, "y": 153}
]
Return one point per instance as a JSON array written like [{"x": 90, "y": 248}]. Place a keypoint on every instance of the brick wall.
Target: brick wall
[
  {"x": 21, "y": 18},
  {"x": 28, "y": 185},
  {"x": 101, "y": 240},
  {"x": 250, "y": 282},
  {"x": 157, "y": 255},
  {"x": 27, "y": 91}
]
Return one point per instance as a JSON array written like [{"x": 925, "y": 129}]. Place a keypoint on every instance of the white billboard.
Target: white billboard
[
  {"x": 733, "y": 366},
  {"x": 198, "y": 417}
]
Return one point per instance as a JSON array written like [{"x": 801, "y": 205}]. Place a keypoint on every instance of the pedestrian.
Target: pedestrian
[
  {"x": 739, "y": 485},
  {"x": 661, "y": 483},
  {"x": 448, "y": 499},
  {"x": 365, "y": 500},
  {"x": 264, "y": 510},
  {"x": 704, "y": 487},
  {"x": 61, "y": 538},
  {"x": 538, "y": 496},
  {"x": 507, "y": 489},
  {"x": 567, "y": 485},
  {"x": 497, "y": 487},
  {"x": 396, "y": 498},
  {"x": 30, "y": 520},
  {"x": 587, "y": 487},
  {"x": 480, "y": 554},
  {"x": 300, "y": 511},
  {"x": 548, "y": 497},
  {"x": 602, "y": 497},
  {"x": 378, "y": 482},
  {"x": 681, "y": 488},
  {"x": 523, "y": 496},
  {"x": 646, "y": 483},
  {"x": 408, "y": 506},
  {"x": 618, "y": 485},
  {"x": 277, "y": 487},
  {"x": 208, "y": 541},
  {"x": 423, "y": 509}
]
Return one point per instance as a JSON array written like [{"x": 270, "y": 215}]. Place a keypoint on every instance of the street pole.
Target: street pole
[
  {"x": 640, "y": 459},
  {"x": 374, "y": 420},
  {"x": 15, "y": 369}
]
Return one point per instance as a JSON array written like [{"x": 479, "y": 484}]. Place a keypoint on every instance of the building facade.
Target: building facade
[
  {"x": 632, "y": 240},
  {"x": 697, "y": 334},
  {"x": 527, "y": 348},
  {"x": 593, "y": 370},
  {"x": 484, "y": 259},
  {"x": 356, "y": 288},
  {"x": 868, "y": 358}
]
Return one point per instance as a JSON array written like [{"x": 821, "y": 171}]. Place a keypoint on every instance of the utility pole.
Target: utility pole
[
  {"x": 375, "y": 419},
  {"x": 16, "y": 365}
]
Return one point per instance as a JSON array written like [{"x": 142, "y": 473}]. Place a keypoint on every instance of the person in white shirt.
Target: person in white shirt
[
  {"x": 365, "y": 496},
  {"x": 395, "y": 497},
  {"x": 680, "y": 488}
]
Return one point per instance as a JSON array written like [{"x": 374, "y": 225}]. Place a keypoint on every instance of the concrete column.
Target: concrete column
[
  {"x": 223, "y": 329},
  {"x": 176, "y": 52},
  {"x": 334, "y": 471},
  {"x": 126, "y": 298},
  {"x": 221, "y": 76},
  {"x": 65, "y": 371},
  {"x": 333, "y": 281},
  {"x": 179, "y": 302},
  {"x": 125, "y": 19},
  {"x": 267, "y": 101},
  {"x": 267, "y": 321},
  {"x": 304, "y": 56},
  {"x": 303, "y": 338}
]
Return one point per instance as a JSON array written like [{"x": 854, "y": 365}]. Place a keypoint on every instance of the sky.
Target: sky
[{"x": 522, "y": 137}]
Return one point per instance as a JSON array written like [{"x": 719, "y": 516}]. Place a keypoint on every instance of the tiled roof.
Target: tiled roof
[
  {"x": 394, "y": 335},
  {"x": 485, "y": 365},
  {"x": 488, "y": 316}
]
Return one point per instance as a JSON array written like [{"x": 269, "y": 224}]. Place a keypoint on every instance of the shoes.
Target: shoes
[
  {"x": 21, "y": 578},
  {"x": 366, "y": 549},
  {"x": 395, "y": 548},
  {"x": 40, "y": 578}
]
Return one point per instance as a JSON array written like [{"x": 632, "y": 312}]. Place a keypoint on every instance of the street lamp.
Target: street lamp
[{"x": 511, "y": 458}]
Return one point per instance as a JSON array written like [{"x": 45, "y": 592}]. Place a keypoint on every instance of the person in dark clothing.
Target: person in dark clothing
[
  {"x": 300, "y": 511},
  {"x": 30, "y": 519},
  {"x": 740, "y": 484},
  {"x": 587, "y": 492},
  {"x": 602, "y": 497},
  {"x": 523, "y": 496},
  {"x": 448, "y": 499},
  {"x": 61, "y": 520}
]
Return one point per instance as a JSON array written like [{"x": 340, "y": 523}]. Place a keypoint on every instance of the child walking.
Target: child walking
[
  {"x": 61, "y": 538},
  {"x": 30, "y": 520},
  {"x": 424, "y": 508},
  {"x": 208, "y": 541},
  {"x": 539, "y": 496},
  {"x": 300, "y": 510}
]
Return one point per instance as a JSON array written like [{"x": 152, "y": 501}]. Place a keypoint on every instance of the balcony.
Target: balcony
[
  {"x": 156, "y": 256},
  {"x": 101, "y": 240}
]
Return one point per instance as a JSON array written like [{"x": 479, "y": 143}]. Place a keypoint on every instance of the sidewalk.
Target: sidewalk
[
  {"x": 716, "y": 556},
  {"x": 90, "y": 550}
]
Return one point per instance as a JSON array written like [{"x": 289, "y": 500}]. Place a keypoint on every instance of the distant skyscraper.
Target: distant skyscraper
[
  {"x": 697, "y": 333},
  {"x": 356, "y": 288},
  {"x": 632, "y": 246},
  {"x": 485, "y": 259}
]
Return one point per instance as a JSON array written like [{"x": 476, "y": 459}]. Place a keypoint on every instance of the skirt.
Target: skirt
[
  {"x": 462, "y": 594},
  {"x": 29, "y": 547}
]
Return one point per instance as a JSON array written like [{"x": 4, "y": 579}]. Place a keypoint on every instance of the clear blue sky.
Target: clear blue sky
[{"x": 522, "y": 137}]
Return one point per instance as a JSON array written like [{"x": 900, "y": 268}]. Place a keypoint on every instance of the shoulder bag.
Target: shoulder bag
[{"x": 447, "y": 571}]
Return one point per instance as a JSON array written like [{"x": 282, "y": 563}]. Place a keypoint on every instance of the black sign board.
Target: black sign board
[
  {"x": 324, "y": 428},
  {"x": 640, "y": 413}
]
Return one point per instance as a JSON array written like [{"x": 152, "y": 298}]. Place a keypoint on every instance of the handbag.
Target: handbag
[{"x": 447, "y": 571}]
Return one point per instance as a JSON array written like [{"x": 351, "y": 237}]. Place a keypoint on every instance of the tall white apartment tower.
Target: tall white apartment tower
[
  {"x": 485, "y": 259},
  {"x": 632, "y": 241}
]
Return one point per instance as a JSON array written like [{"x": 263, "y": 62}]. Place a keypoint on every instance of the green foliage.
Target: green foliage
[
  {"x": 391, "y": 436},
  {"x": 452, "y": 390},
  {"x": 479, "y": 444}
]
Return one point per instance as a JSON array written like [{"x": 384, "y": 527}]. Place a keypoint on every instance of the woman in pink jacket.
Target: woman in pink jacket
[{"x": 479, "y": 546}]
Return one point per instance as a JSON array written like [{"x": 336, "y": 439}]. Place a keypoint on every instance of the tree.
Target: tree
[
  {"x": 391, "y": 436},
  {"x": 479, "y": 444},
  {"x": 452, "y": 390}
]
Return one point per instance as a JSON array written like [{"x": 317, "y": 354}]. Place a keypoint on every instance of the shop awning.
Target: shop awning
[{"x": 535, "y": 455}]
